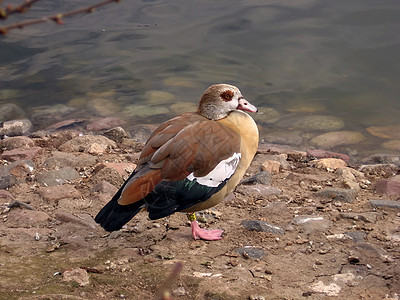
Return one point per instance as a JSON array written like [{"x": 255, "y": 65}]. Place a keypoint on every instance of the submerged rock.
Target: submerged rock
[
  {"x": 10, "y": 111},
  {"x": 142, "y": 111},
  {"x": 337, "y": 138},
  {"x": 319, "y": 123},
  {"x": 385, "y": 132}
]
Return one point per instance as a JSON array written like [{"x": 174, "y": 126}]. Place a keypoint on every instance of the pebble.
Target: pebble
[
  {"x": 331, "y": 289},
  {"x": 57, "y": 177},
  {"x": 78, "y": 275},
  {"x": 382, "y": 159},
  {"x": 21, "y": 153},
  {"x": 258, "y": 190},
  {"x": 95, "y": 144},
  {"x": 85, "y": 219},
  {"x": 311, "y": 223},
  {"x": 104, "y": 187},
  {"x": 70, "y": 123},
  {"x": 292, "y": 138},
  {"x": 17, "y": 142},
  {"x": 15, "y": 127},
  {"x": 385, "y": 203},
  {"x": 55, "y": 193},
  {"x": 370, "y": 217},
  {"x": 329, "y": 163},
  {"x": 255, "y": 225},
  {"x": 60, "y": 159},
  {"x": 251, "y": 251},
  {"x": 337, "y": 138},
  {"x": 263, "y": 177},
  {"x": 356, "y": 236},
  {"x": 24, "y": 217},
  {"x": 117, "y": 134},
  {"x": 389, "y": 187},
  {"x": 7, "y": 181},
  {"x": 338, "y": 194}
]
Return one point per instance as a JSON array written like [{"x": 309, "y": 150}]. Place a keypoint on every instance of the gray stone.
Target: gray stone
[
  {"x": 104, "y": 124},
  {"x": 55, "y": 193},
  {"x": 385, "y": 203},
  {"x": 383, "y": 170},
  {"x": 63, "y": 159},
  {"x": 337, "y": 194},
  {"x": 16, "y": 142},
  {"x": 258, "y": 190},
  {"x": 311, "y": 223},
  {"x": 370, "y": 217},
  {"x": 117, "y": 134},
  {"x": 57, "y": 177},
  {"x": 251, "y": 251},
  {"x": 382, "y": 159},
  {"x": 292, "y": 138},
  {"x": 86, "y": 143},
  {"x": 262, "y": 226},
  {"x": 356, "y": 236},
  {"x": 104, "y": 187},
  {"x": 20, "y": 153},
  {"x": 15, "y": 127},
  {"x": 83, "y": 219},
  {"x": 137, "y": 110},
  {"x": 103, "y": 106},
  {"x": 263, "y": 177},
  {"x": 7, "y": 181}
]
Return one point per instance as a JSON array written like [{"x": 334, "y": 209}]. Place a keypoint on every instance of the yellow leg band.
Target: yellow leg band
[{"x": 191, "y": 217}]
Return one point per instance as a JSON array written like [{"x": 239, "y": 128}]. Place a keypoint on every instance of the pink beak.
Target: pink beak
[{"x": 246, "y": 106}]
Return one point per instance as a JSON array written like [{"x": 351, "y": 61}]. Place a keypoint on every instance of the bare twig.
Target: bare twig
[
  {"x": 57, "y": 18},
  {"x": 10, "y": 9},
  {"x": 21, "y": 204}
]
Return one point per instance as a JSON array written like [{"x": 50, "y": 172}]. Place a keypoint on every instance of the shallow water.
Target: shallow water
[{"x": 300, "y": 58}]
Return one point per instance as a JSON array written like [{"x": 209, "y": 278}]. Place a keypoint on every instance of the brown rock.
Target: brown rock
[
  {"x": 95, "y": 144},
  {"x": 337, "y": 138},
  {"x": 66, "y": 124},
  {"x": 271, "y": 165},
  {"x": 104, "y": 187},
  {"x": 78, "y": 275},
  {"x": 329, "y": 163},
  {"x": 392, "y": 145},
  {"x": 17, "y": 142},
  {"x": 385, "y": 132},
  {"x": 122, "y": 168},
  {"x": 390, "y": 187},
  {"x": 20, "y": 153},
  {"x": 83, "y": 219},
  {"x": 54, "y": 193}
]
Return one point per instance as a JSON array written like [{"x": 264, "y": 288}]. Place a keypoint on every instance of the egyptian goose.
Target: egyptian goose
[{"x": 189, "y": 163}]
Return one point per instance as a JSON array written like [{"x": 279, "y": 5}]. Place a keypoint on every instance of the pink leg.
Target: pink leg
[{"x": 209, "y": 235}]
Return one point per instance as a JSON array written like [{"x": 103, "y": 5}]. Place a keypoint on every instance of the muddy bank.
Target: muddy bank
[{"x": 302, "y": 225}]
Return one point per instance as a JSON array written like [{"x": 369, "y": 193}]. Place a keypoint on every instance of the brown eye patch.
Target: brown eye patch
[{"x": 227, "y": 95}]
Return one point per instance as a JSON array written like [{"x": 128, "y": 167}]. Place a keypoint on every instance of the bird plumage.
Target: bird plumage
[{"x": 190, "y": 162}]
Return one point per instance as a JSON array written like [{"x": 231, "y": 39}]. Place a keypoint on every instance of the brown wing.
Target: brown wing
[{"x": 196, "y": 148}]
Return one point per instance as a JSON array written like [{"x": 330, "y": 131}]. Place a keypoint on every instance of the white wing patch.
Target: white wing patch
[{"x": 222, "y": 171}]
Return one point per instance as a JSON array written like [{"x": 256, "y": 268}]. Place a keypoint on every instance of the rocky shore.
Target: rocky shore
[{"x": 301, "y": 225}]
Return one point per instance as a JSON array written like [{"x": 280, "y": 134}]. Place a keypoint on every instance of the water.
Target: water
[{"x": 301, "y": 58}]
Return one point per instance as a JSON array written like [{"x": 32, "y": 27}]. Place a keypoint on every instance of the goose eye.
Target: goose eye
[{"x": 227, "y": 95}]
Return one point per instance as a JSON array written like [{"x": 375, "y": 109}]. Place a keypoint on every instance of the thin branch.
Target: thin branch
[
  {"x": 57, "y": 18},
  {"x": 10, "y": 9}
]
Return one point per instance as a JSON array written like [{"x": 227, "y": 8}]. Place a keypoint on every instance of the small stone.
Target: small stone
[
  {"x": 180, "y": 291},
  {"x": 16, "y": 127},
  {"x": 311, "y": 223},
  {"x": 117, "y": 134},
  {"x": 24, "y": 217},
  {"x": 392, "y": 145},
  {"x": 57, "y": 177},
  {"x": 356, "y": 236},
  {"x": 55, "y": 193},
  {"x": 328, "y": 289},
  {"x": 66, "y": 124},
  {"x": 385, "y": 203},
  {"x": 143, "y": 111},
  {"x": 21, "y": 153},
  {"x": 271, "y": 166},
  {"x": 348, "y": 178},
  {"x": 104, "y": 187},
  {"x": 338, "y": 194},
  {"x": 263, "y": 177},
  {"x": 94, "y": 144},
  {"x": 60, "y": 159},
  {"x": 370, "y": 217},
  {"x": 10, "y": 111},
  {"x": 78, "y": 275},
  {"x": 256, "y": 297},
  {"x": 251, "y": 251},
  {"x": 262, "y": 226},
  {"x": 329, "y": 163},
  {"x": 17, "y": 142},
  {"x": 258, "y": 190},
  {"x": 84, "y": 219},
  {"x": 122, "y": 168},
  {"x": 319, "y": 123},
  {"x": 382, "y": 159},
  {"x": 7, "y": 181},
  {"x": 390, "y": 187}
]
